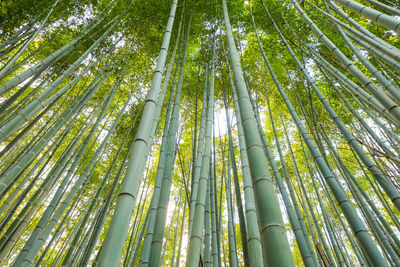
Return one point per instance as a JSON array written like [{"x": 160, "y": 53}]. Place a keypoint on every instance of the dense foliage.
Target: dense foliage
[{"x": 238, "y": 133}]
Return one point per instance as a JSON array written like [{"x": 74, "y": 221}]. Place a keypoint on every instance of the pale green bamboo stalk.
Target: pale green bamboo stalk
[
  {"x": 82, "y": 181},
  {"x": 48, "y": 60},
  {"x": 378, "y": 176},
  {"x": 355, "y": 223},
  {"x": 145, "y": 254},
  {"x": 289, "y": 182},
  {"x": 166, "y": 181},
  {"x": 276, "y": 248},
  {"x": 114, "y": 241},
  {"x": 181, "y": 222},
  {"x": 207, "y": 230},
  {"x": 301, "y": 242},
  {"x": 326, "y": 218},
  {"x": 216, "y": 229},
  {"x": 174, "y": 215},
  {"x": 196, "y": 233},
  {"x": 242, "y": 221},
  {"x": 214, "y": 242},
  {"x": 161, "y": 162},
  {"x": 386, "y": 84},
  {"x": 178, "y": 256},
  {"x": 94, "y": 200},
  {"x": 199, "y": 153},
  {"x": 361, "y": 32},
  {"x": 19, "y": 34},
  {"x": 355, "y": 89},
  {"x": 389, "y": 105},
  {"x": 360, "y": 194},
  {"x": 23, "y": 218},
  {"x": 253, "y": 237},
  {"x": 56, "y": 198},
  {"x": 9, "y": 64},
  {"x": 103, "y": 212},
  {"x": 136, "y": 223},
  {"x": 387, "y": 8},
  {"x": 233, "y": 259},
  {"x": 303, "y": 193},
  {"x": 40, "y": 102},
  {"x": 139, "y": 241},
  {"x": 380, "y": 18},
  {"x": 10, "y": 176}
]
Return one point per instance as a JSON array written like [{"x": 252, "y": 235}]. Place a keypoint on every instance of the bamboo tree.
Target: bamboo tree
[
  {"x": 233, "y": 261},
  {"x": 207, "y": 229},
  {"x": 378, "y": 176},
  {"x": 7, "y": 66},
  {"x": 380, "y": 18},
  {"x": 195, "y": 235},
  {"x": 126, "y": 200},
  {"x": 36, "y": 241},
  {"x": 242, "y": 222},
  {"x": 182, "y": 222},
  {"x": 69, "y": 253},
  {"x": 253, "y": 237},
  {"x": 145, "y": 255},
  {"x": 355, "y": 223},
  {"x": 272, "y": 231},
  {"x": 199, "y": 153},
  {"x": 390, "y": 105},
  {"x": 166, "y": 181},
  {"x": 48, "y": 60},
  {"x": 10, "y": 176}
]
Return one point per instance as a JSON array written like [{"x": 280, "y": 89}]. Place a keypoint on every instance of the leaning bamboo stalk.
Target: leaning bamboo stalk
[
  {"x": 355, "y": 223},
  {"x": 114, "y": 241},
  {"x": 166, "y": 181},
  {"x": 276, "y": 248},
  {"x": 196, "y": 233},
  {"x": 380, "y": 18}
]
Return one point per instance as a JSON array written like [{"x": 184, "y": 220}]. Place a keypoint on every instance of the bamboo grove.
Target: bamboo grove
[{"x": 200, "y": 133}]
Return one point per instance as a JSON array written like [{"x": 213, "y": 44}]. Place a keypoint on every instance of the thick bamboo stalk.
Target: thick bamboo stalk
[
  {"x": 116, "y": 234},
  {"x": 272, "y": 231}
]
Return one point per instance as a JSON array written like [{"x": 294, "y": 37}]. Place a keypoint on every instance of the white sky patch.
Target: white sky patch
[{"x": 220, "y": 122}]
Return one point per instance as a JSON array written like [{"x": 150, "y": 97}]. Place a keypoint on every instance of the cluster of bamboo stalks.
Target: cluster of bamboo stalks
[{"x": 74, "y": 191}]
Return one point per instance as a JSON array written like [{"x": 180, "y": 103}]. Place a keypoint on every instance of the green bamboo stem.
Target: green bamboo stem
[
  {"x": 361, "y": 196},
  {"x": 253, "y": 237},
  {"x": 114, "y": 241},
  {"x": 355, "y": 223},
  {"x": 289, "y": 183},
  {"x": 378, "y": 176},
  {"x": 242, "y": 222},
  {"x": 380, "y": 18},
  {"x": 207, "y": 229},
  {"x": 94, "y": 201},
  {"x": 272, "y": 231},
  {"x": 166, "y": 181},
  {"x": 199, "y": 154},
  {"x": 10, "y": 176},
  {"x": 38, "y": 240},
  {"x": 178, "y": 256},
  {"x": 179, "y": 221},
  {"x": 214, "y": 234},
  {"x": 48, "y": 60},
  {"x": 386, "y": 84},
  {"x": 145, "y": 255},
  {"x": 14, "y": 58},
  {"x": 196, "y": 232},
  {"x": 390, "y": 105},
  {"x": 64, "y": 183},
  {"x": 355, "y": 89},
  {"x": 233, "y": 261}
]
